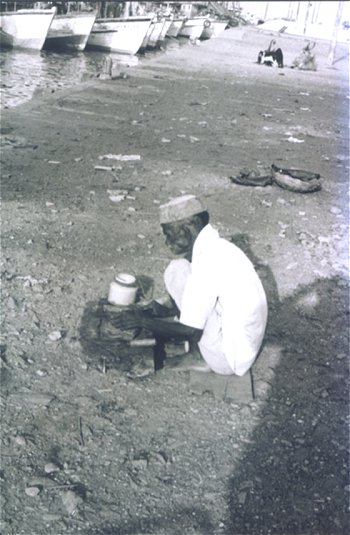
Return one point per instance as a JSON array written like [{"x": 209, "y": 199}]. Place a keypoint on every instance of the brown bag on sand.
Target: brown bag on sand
[
  {"x": 296, "y": 180},
  {"x": 249, "y": 177}
]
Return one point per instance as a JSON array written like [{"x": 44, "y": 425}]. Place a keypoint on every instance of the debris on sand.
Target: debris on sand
[
  {"x": 121, "y": 157},
  {"x": 251, "y": 177},
  {"x": 296, "y": 180}
]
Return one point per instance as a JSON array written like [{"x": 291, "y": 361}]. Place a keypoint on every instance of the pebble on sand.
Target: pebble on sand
[
  {"x": 32, "y": 491},
  {"x": 71, "y": 501},
  {"x": 54, "y": 336},
  {"x": 51, "y": 467}
]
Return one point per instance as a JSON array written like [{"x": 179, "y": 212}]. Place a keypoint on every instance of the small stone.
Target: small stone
[
  {"x": 341, "y": 356},
  {"x": 54, "y": 336},
  {"x": 20, "y": 441},
  {"x": 139, "y": 464},
  {"x": 324, "y": 239},
  {"x": 159, "y": 457},
  {"x": 117, "y": 198},
  {"x": 50, "y": 517},
  {"x": 242, "y": 496},
  {"x": 71, "y": 501},
  {"x": 32, "y": 491},
  {"x": 50, "y": 468},
  {"x": 11, "y": 303},
  {"x": 336, "y": 211}
]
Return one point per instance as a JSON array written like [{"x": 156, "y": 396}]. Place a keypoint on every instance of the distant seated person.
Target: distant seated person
[
  {"x": 306, "y": 61},
  {"x": 215, "y": 292},
  {"x": 272, "y": 56}
]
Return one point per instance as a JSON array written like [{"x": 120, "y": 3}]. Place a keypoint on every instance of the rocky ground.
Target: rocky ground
[{"x": 87, "y": 447}]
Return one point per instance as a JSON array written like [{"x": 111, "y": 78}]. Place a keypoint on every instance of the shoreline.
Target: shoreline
[{"x": 240, "y": 40}]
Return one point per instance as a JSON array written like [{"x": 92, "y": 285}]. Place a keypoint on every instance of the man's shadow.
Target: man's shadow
[{"x": 292, "y": 478}]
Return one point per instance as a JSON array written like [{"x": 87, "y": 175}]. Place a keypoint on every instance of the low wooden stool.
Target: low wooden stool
[{"x": 225, "y": 387}]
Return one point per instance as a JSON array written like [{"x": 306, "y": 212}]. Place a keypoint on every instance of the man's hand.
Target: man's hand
[
  {"x": 157, "y": 310},
  {"x": 128, "y": 319}
]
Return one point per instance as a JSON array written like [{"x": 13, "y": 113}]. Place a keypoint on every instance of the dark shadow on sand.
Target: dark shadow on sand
[{"x": 292, "y": 479}]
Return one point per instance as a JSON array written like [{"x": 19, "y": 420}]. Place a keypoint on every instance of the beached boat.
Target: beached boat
[
  {"x": 124, "y": 36},
  {"x": 156, "y": 32},
  {"x": 25, "y": 28},
  {"x": 164, "y": 32},
  {"x": 213, "y": 28},
  {"x": 192, "y": 28},
  {"x": 175, "y": 27},
  {"x": 70, "y": 31},
  {"x": 149, "y": 32}
]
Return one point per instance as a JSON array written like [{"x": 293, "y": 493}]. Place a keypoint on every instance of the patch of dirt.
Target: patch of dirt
[{"x": 86, "y": 448}]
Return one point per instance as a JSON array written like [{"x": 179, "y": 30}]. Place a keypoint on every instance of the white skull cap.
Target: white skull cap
[{"x": 180, "y": 208}]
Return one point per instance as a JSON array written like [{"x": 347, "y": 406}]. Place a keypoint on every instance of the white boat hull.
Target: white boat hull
[
  {"x": 26, "y": 28},
  {"x": 148, "y": 34},
  {"x": 215, "y": 29},
  {"x": 124, "y": 36},
  {"x": 71, "y": 31},
  {"x": 155, "y": 34},
  {"x": 164, "y": 31},
  {"x": 192, "y": 28},
  {"x": 175, "y": 27}
]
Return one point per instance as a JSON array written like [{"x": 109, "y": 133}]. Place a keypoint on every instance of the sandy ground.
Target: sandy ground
[{"x": 86, "y": 448}]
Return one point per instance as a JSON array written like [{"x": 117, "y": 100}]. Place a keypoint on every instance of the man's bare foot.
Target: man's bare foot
[{"x": 186, "y": 362}]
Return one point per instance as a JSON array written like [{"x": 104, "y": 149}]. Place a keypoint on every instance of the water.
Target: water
[{"x": 23, "y": 73}]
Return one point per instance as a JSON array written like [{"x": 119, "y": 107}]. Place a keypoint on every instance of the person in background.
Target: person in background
[
  {"x": 272, "y": 56},
  {"x": 214, "y": 290}
]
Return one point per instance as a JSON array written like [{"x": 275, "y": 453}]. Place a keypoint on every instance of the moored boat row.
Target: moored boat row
[{"x": 44, "y": 28}]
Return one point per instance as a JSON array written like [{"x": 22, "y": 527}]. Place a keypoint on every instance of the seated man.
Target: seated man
[
  {"x": 272, "y": 56},
  {"x": 219, "y": 297},
  {"x": 306, "y": 61}
]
